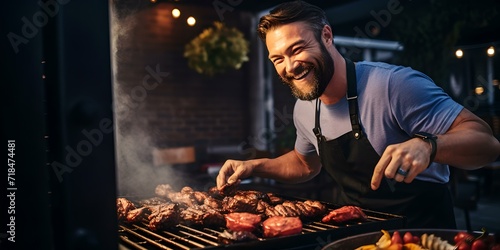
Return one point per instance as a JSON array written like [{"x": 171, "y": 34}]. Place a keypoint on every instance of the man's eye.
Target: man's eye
[
  {"x": 276, "y": 61},
  {"x": 297, "y": 50}
]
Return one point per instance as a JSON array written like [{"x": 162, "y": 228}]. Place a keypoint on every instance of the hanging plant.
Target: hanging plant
[{"x": 217, "y": 49}]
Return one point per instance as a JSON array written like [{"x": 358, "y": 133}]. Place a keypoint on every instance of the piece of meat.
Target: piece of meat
[
  {"x": 163, "y": 216},
  {"x": 213, "y": 203},
  {"x": 274, "y": 199},
  {"x": 239, "y": 204},
  {"x": 305, "y": 210},
  {"x": 200, "y": 197},
  {"x": 281, "y": 226},
  {"x": 123, "y": 206},
  {"x": 229, "y": 237},
  {"x": 344, "y": 214},
  {"x": 215, "y": 193},
  {"x": 244, "y": 201},
  {"x": 242, "y": 221},
  {"x": 202, "y": 215},
  {"x": 228, "y": 189},
  {"x": 262, "y": 207},
  {"x": 314, "y": 208},
  {"x": 186, "y": 197},
  {"x": 187, "y": 190},
  {"x": 137, "y": 214}
]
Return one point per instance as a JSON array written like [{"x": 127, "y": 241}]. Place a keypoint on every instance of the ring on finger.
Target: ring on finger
[{"x": 402, "y": 172}]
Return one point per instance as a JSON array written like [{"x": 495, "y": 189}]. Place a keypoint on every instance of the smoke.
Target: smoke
[
  {"x": 136, "y": 176},
  {"x": 136, "y": 76}
]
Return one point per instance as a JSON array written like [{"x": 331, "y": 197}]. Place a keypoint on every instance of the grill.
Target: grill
[{"x": 314, "y": 234}]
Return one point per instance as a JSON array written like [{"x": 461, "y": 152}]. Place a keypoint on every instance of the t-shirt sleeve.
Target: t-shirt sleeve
[
  {"x": 303, "y": 144},
  {"x": 418, "y": 104}
]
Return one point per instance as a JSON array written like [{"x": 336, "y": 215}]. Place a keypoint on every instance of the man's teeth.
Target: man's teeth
[{"x": 302, "y": 74}]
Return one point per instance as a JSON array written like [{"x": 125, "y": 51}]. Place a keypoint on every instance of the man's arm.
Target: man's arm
[
  {"x": 291, "y": 167},
  {"x": 468, "y": 144}
]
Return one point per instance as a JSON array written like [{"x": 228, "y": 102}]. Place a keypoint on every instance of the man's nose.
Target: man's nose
[{"x": 291, "y": 66}]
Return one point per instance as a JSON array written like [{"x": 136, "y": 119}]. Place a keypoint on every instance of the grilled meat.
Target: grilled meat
[
  {"x": 123, "y": 207},
  {"x": 274, "y": 200},
  {"x": 202, "y": 215},
  {"x": 213, "y": 203},
  {"x": 137, "y": 214},
  {"x": 244, "y": 201},
  {"x": 186, "y": 197},
  {"x": 215, "y": 193},
  {"x": 281, "y": 226},
  {"x": 343, "y": 214},
  {"x": 225, "y": 190},
  {"x": 305, "y": 210},
  {"x": 182, "y": 199},
  {"x": 229, "y": 237},
  {"x": 228, "y": 189},
  {"x": 163, "y": 216},
  {"x": 242, "y": 221}
]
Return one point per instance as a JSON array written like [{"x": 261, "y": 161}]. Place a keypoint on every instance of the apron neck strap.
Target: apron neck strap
[{"x": 352, "y": 99}]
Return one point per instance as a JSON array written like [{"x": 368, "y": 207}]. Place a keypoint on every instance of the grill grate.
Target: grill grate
[{"x": 314, "y": 234}]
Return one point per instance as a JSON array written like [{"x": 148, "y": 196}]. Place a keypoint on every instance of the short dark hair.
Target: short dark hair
[{"x": 290, "y": 12}]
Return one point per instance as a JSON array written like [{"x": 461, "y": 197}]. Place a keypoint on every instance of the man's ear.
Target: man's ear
[{"x": 327, "y": 34}]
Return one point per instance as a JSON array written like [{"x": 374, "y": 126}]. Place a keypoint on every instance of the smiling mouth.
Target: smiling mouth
[{"x": 303, "y": 74}]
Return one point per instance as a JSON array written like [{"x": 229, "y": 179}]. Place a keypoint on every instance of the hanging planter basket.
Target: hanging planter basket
[{"x": 216, "y": 50}]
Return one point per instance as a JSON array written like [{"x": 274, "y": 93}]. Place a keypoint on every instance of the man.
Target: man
[{"x": 385, "y": 133}]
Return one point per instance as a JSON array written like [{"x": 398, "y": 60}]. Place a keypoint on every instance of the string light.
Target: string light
[
  {"x": 191, "y": 21},
  {"x": 459, "y": 53},
  {"x": 479, "y": 90},
  {"x": 176, "y": 13},
  {"x": 491, "y": 51}
]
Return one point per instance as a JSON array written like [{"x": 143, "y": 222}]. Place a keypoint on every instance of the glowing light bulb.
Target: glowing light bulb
[
  {"x": 176, "y": 13},
  {"x": 491, "y": 51},
  {"x": 459, "y": 53},
  {"x": 191, "y": 21},
  {"x": 153, "y": 1},
  {"x": 479, "y": 90}
]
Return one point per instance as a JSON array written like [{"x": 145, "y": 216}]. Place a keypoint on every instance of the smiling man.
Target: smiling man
[{"x": 385, "y": 133}]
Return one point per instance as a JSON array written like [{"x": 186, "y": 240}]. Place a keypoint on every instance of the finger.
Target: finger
[
  {"x": 220, "y": 180},
  {"x": 378, "y": 172},
  {"x": 223, "y": 174},
  {"x": 401, "y": 174},
  {"x": 237, "y": 175}
]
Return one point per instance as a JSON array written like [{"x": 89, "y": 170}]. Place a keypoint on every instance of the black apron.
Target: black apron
[{"x": 351, "y": 159}]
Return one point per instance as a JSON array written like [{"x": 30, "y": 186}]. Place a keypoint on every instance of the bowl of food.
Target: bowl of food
[{"x": 433, "y": 239}]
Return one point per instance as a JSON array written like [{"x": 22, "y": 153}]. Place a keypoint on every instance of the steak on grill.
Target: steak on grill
[
  {"x": 305, "y": 210},
  {"x": 123, "y": 207},
  {"x": 242, "y": 221},
  {"x": 281, "y": 226},
  {"x": 137, "y": 214},
  {"x": 244, "y": 201},
  {"x": 202, "y": 215},
  {"x": 163, "y": 216},
  {"x": 343, "y": 214}
]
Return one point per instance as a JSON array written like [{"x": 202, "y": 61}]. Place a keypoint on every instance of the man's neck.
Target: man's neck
[{"x": 337, "y": 87}]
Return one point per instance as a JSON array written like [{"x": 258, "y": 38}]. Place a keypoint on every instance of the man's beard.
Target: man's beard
[{"x": 322, "y": 74}]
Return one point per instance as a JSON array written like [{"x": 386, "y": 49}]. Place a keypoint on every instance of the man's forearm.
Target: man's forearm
[{"x": 288, "y": 168}]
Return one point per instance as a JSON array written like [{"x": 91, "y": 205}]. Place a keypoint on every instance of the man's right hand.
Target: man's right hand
[{"x": 233, "y": 171}]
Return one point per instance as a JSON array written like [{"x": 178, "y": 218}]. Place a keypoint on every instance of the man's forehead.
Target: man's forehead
[{"x": 288, "y": 32}]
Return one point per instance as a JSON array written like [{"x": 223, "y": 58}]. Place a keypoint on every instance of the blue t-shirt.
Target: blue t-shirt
[{"x": 395, "y": 102}]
